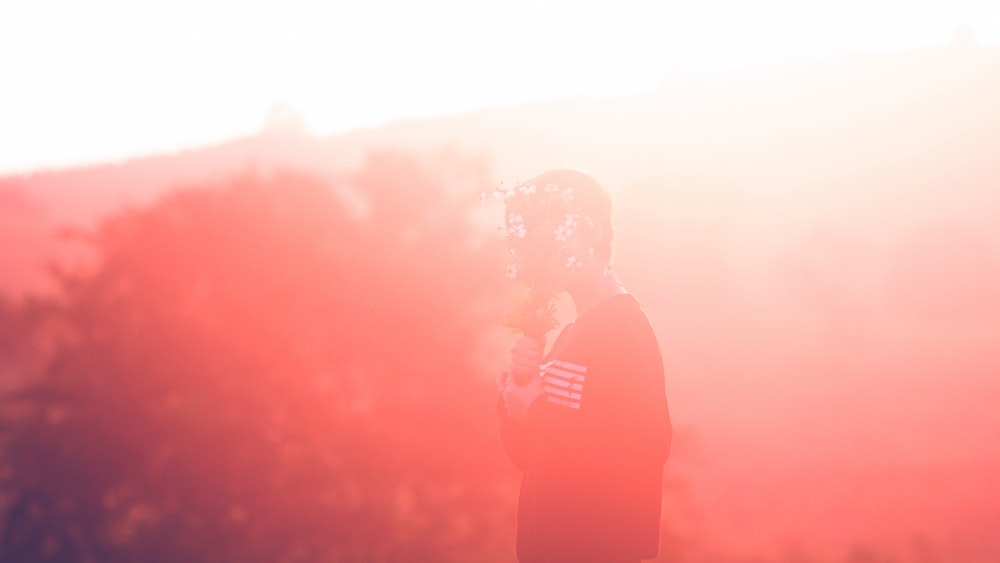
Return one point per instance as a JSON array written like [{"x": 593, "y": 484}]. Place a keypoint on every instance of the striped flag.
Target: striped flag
[{"x": 563, "y": 383}]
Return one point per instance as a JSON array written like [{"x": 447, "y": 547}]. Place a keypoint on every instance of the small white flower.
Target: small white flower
[
  {"x": 590, "y": 250},
  {"x": 567, "y": 194},
  {"x": 512, "y": 271},
  {"x": 515, "y": 226},
  {"x": 572, "y": 263},
  {"x": 503, "y": 191},
  {"x": 552, "y": 188},
  {"x": 562, "y": 233},
  {"x": 517, "y": 230},
  {"x": 527, "y": 189}
]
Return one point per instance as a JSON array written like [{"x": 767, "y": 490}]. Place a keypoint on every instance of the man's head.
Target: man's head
[{"x": 559, "y": 222}]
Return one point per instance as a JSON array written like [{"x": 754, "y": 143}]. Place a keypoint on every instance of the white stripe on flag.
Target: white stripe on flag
[
  {"x": 570, "y": 366},
  {"x": 557, "y": 381},
  {"x": 564, "y": 383},
  {"x": 563, "y": 402},
  {"x": 562, "y": 392},
  {"x": 564, "y": 374}
]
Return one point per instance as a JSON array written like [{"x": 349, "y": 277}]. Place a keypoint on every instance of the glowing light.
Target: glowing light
[{"x": 109, "y": 79}]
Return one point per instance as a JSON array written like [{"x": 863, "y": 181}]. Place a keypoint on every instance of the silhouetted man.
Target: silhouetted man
[{"x": 588, "y": 423}]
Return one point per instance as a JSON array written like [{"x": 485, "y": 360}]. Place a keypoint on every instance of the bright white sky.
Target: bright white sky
[{"x": 107, "y": 79}]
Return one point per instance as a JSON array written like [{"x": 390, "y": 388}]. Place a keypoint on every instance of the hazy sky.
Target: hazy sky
[{"x": 107, "y": 79}]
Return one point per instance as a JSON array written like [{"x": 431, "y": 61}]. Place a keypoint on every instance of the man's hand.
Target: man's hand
[
  {"x": 521, "y": 385},
  {"x": 525, "y": 359}
]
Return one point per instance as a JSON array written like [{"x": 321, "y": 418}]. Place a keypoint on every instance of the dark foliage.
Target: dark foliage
[{"x": 275, "y": 369}]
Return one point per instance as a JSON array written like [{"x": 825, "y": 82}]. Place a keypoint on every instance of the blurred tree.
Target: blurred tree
[{"x": 276, "y": 369}]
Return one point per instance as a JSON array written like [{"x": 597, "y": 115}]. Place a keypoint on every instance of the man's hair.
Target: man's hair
[{"x": 590, "y": 198}]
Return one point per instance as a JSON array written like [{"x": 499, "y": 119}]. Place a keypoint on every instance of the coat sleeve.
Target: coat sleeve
[
  {"x": 515, "y": 436},
  {"x": 520, "y": 438}
]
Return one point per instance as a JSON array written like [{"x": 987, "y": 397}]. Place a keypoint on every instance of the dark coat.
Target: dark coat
[{"x": 592, "y": 449}]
